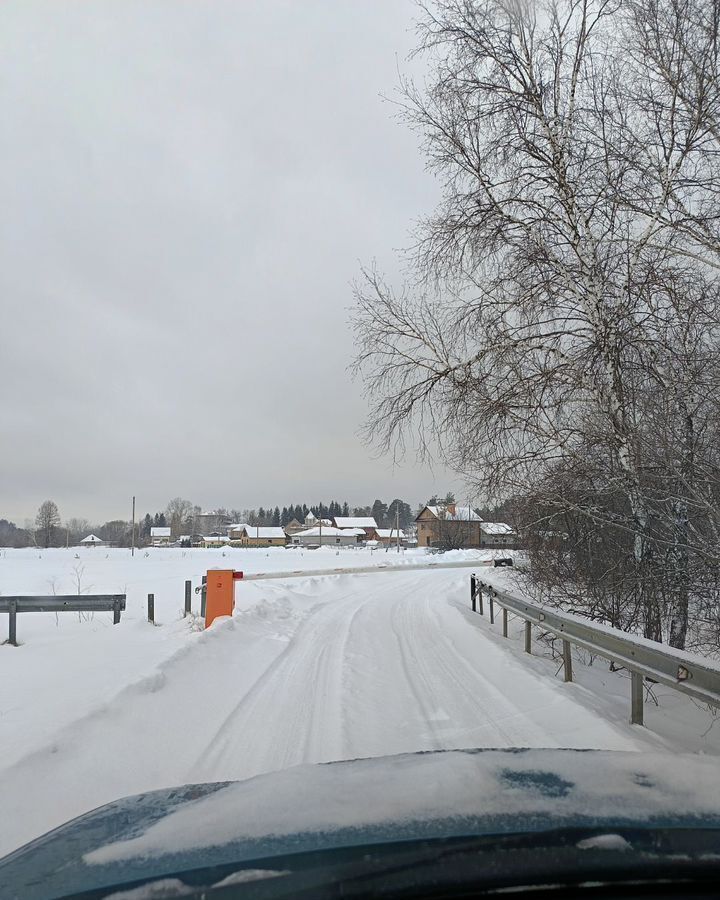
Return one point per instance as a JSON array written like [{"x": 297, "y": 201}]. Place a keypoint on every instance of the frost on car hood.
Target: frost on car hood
[{"x": 310, "y": 807}]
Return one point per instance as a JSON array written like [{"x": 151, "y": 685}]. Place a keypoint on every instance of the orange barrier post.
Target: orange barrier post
[
  {"x": 220, "y": 598},
  {"x": 219, "y": 593}
]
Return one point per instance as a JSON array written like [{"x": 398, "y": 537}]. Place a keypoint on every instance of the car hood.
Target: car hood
[{"x": 370, "y": 801}]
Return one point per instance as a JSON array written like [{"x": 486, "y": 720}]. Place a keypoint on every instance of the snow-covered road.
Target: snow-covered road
[{"x": 309, "y": 670}]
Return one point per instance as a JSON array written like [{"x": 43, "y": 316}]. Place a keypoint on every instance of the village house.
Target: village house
[
  {"x": 496, "y": 534},
  {"x": 452, "y": 526},
  {"x": 448, "y": 525},
  {"x": 366, "y": 523},
  {"x": 261, "y": 536},
  {"x": 328, "y": 536},
  {"x": 236, "y": 531},
  {"x": 389, "y": 536},
  {"x": 215, "y": 539},
  {"x": 160, "y": 536},
  {"x": 293, "y": 526},
  {"x": 92, "y": 540},
  {"x": 207, "y": 522}
]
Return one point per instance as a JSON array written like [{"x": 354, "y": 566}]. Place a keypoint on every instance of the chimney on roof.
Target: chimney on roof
[{"x": 451, "y": 509}]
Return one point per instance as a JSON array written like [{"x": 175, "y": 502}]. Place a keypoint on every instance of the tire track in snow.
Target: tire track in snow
[
  {"x": 294, "y": 713},
  {"x": 456, "y": 702}
]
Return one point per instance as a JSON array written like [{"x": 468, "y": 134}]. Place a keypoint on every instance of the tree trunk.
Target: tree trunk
[{"x": 680, "y": 528}]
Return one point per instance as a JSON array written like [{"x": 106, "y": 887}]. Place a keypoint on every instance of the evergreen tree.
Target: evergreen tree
[
  {"x": 379, "y": 512},
  {"x": 303, "y": 512},
  {"x": 162, "y": 521},
  {"x": 404, "y": 514},
  {"x": 298, "y": 513},
  {"x": 276, "y": 517},
  {"x": 146, "y": 525},
  {"x": 345, "y": 509},
  {"x": 261, "y": 515},
  {"x": 285, "y": 516}
]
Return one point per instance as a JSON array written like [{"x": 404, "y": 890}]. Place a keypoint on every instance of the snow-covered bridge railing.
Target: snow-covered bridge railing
[
  {"x": 114, "y": 603},
  {"x": 678, "y": 669}
]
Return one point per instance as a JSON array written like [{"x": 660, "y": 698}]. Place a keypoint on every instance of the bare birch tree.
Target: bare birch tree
[{"x": 577, "y": 146}]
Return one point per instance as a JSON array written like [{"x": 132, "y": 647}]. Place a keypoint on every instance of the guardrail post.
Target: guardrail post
[
  {"x": 528, "y": 637},
  {"x": 567, "y": 660},
  {"x": 188, "y": 597},
  {"x": 492, "y": 607},
  {"x": 481, "y": 608},
  {"x": 636, "y": 699},
  {"x": 12, "y": 627},
  {"x": 203, "y": 596},
  {"x": 116, "y": 612},
  {"x": 504, "y": 623},
  {"x": 472, "y": 592},
  {"x": 151, "y": 608}
]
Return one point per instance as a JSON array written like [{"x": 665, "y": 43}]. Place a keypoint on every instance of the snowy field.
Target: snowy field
[{"x": 309, "y": 669}]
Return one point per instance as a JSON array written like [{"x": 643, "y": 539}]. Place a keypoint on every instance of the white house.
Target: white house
[
  {"x": 328, "y": 536},
  {"x": 92, "y": 540},
  {"x": 215, "y": 540},
  {"x": 159, "y": 536}
]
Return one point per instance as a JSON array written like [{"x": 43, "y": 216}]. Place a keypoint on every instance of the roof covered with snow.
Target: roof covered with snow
[
  {"x": 92, "y": 539},
  {"x": 329, "y": 531},
  {"x": 461, "y": 514},
  {"x": 390, "y": 533},
  {"x": 496, "y": 528},
  {"x": 264, "y": 531},
  {"x": 355, "y": 522}
]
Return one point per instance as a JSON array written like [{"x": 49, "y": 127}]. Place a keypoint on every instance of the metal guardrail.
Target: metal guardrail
[
  {"x": 685, "y": 672},
  {"x": 384, "y": 568},
  {"x": 114, "y": 603}
]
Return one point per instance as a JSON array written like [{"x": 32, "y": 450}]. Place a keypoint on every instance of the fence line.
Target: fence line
[
  {"x": 367, "y": 570},
  {"x": 114, "y": 603},
  {"x": 685, "y": 672}
]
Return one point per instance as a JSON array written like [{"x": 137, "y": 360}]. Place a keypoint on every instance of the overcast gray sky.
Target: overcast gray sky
[{"x": 187, "y": 189}]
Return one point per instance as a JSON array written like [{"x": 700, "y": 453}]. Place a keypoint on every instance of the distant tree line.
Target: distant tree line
[
  {"x": 180, "y": 515},
  {"x": 383, "y": 513}
]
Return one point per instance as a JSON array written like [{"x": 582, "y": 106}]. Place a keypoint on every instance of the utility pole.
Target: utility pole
[
  {"x": 397, "y": 525},
  {"x": 132, "y": 539}
]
